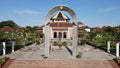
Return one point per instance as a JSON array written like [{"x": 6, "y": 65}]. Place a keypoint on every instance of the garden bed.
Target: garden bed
[
  {"x": 3, "y": 60},
  {"x": 117, "y": 60}
]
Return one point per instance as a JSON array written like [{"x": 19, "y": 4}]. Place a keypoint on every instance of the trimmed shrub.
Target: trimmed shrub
[{"x": 79, "y": 55}]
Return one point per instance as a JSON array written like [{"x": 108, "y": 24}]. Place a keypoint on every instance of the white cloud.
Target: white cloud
[
  {"x": 108, "y": 9},
  {"x": 27, "y": 12},
  {"x": 40, "y": 21}
]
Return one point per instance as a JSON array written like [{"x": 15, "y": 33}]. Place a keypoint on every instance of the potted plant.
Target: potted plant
[
  {"x": 60, "y": 44},
  {"x": 79, "y": 55}
]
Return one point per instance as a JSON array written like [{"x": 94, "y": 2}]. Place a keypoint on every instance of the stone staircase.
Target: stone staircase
[{"x": 60, "y": 64}]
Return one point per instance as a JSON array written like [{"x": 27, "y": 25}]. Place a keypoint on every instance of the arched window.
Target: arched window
[
  {"x": 60, "y": 35},
  {"x": 55, "y": 34},
  {"x": 79, "y": 35},
  {"x": 64, "y": 35}
]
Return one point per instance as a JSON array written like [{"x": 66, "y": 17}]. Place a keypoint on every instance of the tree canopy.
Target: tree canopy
[{"x": 9, "y": 23}]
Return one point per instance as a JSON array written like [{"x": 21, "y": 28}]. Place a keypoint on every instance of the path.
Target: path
[
  {"x": 92, "y": 53},
  {"x": 62, "y": 64},
  {"x": 32, "y": 52},
  {"x": 30, "y": 57}
]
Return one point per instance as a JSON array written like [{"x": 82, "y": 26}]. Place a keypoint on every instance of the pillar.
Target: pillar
[
  {"x": 4, "y": 48},
  {"x": 117, "y": 49},
  {"x": 13, "y": 43},
  {"x": 108, "y": 46},
  {"x": 74, "y": 41},
  {"x": 47, "y": 40}
]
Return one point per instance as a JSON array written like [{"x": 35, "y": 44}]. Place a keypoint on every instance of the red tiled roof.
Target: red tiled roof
[
  {"x": 118, "y": 29},
  {"x": 40, "y": 28},
  {"x": 38, "y": 31},
  {"x": 80, "y": 23},
  {"x": 61, "y": 24},
  {"x": 97, "y": 29},
  {"x": 20, "y": 29},
  {"x": 7, "y": 29}
]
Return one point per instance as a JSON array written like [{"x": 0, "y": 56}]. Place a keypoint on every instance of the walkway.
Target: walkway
[
  {"x": 62, "y": 64},
  {"x": 34, "y": 53},
  {"x": 30, "y": 57},
  {"x": 92, "y": 53}
]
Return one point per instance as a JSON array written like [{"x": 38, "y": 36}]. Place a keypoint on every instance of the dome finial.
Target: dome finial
[{"x": 61, "y": 7}]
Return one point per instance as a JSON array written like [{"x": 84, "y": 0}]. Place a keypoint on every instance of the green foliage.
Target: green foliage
[
  {"x": 18, "y": 47},
  {"x": 54, "y": 43},
  {"x": 24, "y": 38},
  {"x": 79, "y": 55},
  {"x": 60, "y": 43},
  {"x": 37, "y": 42},
  {"x": 82, "y": 42},
  {"x": 44, "y": 57},
  {"x": 100, "y": 39},
  {"x": 3, "y": 59},
  {"x": 91, "y": 35},
  {"x": 9, "y": 23},
  {"x": 117, "y": 58}
]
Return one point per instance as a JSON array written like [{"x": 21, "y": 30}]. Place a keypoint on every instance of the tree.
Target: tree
[{"x": 9, "y": 23}]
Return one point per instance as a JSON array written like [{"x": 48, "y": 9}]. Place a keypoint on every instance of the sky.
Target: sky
[{"x": 93, "y": 13}]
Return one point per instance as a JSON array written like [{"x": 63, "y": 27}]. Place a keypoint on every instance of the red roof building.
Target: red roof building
[
  {"x": 61, "y": 27},
  {"x": 20, "y": 29},
  {"x": 61, "y": 24},
  {"x": 7, "y": 29}
]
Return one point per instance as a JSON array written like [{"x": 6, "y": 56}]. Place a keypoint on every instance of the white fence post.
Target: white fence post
[
  {"x": 13, "y": 43},
  {"x": 4, "y": 48},
  {"x": 108, "y": 46},
  {"x": 117, "y": 49}
]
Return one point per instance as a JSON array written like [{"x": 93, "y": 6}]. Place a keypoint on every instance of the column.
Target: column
[
  {"x": 57, "y": 35},
  {"x": 117, "y": 49},
  {"x": 13, "y": 43},
  {"x": 63, "y": 35},
  {"x": 74, "y": 41},
  {"x": 108, "y": 46},
  {"x": 4, "y": 48},
  {"x": 47, "y": 40}
]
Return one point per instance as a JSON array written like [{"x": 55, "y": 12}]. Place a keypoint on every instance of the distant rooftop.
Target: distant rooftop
[{"x": 60, "y": 16}]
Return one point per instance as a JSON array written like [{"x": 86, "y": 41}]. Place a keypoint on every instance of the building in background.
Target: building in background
[{"x": 61, "y": 27}]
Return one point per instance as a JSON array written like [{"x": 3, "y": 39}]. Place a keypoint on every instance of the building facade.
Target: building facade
[{"x": 61, "y": 27}]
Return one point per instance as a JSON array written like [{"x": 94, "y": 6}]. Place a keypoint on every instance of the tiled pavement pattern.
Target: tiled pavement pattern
[
  {"x": 62, "y": 64},
  {"x": 30, "y": 57},
  {"x": 34, "y": 53},
  {"x": 92, "y": 53}
]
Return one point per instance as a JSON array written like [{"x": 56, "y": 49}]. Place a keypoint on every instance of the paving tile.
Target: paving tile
[{"x": 61, "y": 64}]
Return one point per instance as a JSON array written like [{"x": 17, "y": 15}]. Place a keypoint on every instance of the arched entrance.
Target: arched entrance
[{"x": 47, "y": 28}]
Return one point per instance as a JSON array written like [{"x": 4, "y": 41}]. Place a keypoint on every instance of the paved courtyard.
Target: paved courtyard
[
  {"x": 34, "y": 52},
  {"x": 30, "y": 57},
  {"x": 61, "y": 64}
]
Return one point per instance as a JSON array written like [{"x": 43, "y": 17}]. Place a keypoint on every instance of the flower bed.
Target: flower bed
[
  {"x": 3, "y": 61},
  {"x": 117, "y": 60}
]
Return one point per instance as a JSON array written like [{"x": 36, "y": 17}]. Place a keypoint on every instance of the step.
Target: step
[{"x": 62, "y": 64}]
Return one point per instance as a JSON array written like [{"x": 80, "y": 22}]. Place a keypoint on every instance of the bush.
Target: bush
[
  {"x": 37, "y": 42},
  {"x": 44, "y": 57},
  {"x": 83, "y": 42},
  {"x": 117, "y": 60},
  {"x": 18, "y": 47},
  {"x": 54, "y": 43},
  {"x": 3, "y": 59},
  {"x": 79, "y": 55}
]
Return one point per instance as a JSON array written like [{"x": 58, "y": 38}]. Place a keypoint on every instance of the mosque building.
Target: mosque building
[{"x": 61, "y": 27}]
